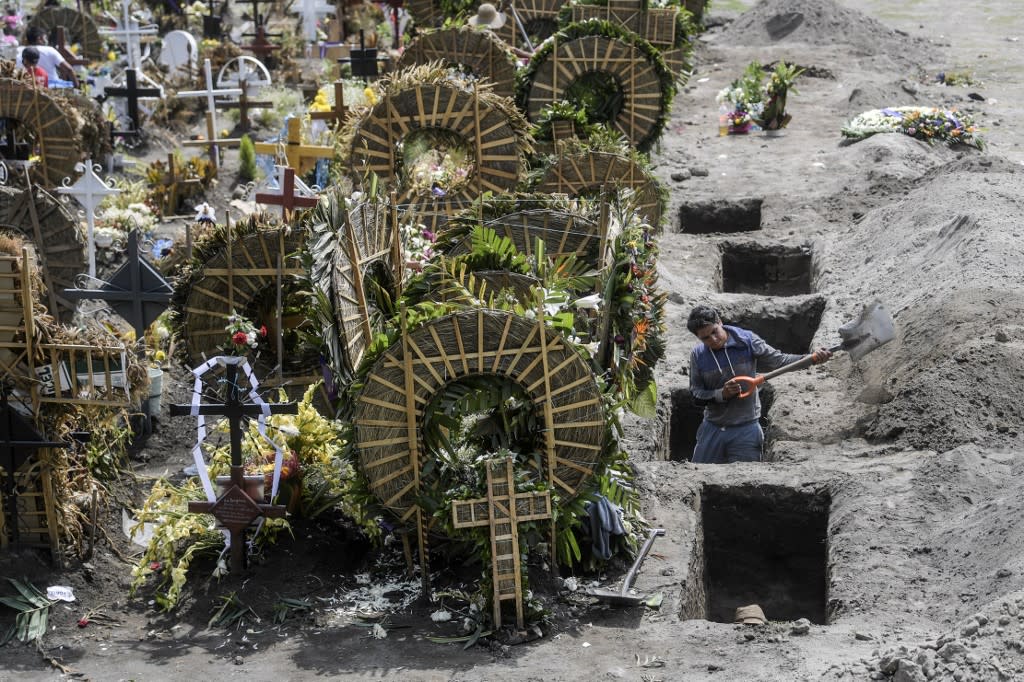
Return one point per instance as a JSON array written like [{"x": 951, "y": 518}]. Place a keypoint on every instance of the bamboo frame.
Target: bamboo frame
[
  {"x": 481, "y": 52},
  {"x": 53, "y": 130},
  {"x": 560, "y": 384}
]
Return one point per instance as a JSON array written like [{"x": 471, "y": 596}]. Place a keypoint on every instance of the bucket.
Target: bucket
[{"x": 156, "y": 383}]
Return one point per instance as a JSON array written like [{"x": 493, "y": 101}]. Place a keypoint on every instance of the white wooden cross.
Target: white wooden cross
[
  {"x": 310, "y": 11},
  {"x": 250, "y": 79},
  {"x": 89, "y": 190},
  {"x": 211, "y": 93},
  {"x": 129, "y": 32}
]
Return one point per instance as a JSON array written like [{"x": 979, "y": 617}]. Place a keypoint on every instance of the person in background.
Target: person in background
[
  {"x": 50, "y": 59},
  {"x": 8, "y": 39},
  {"x": 488, "y": 17},
  {"x": 730, "y": 431},
  {"x": 30, "y": 60}
]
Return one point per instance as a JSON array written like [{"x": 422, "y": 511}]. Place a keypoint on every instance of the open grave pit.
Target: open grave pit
[
  {"x": 760, "y": 544},
  {"x": 787, "y": 324},
  {"x": 712, "y": 217},
  {"x": 766, "y": 269},
  {"x": 687, "y": 415}
]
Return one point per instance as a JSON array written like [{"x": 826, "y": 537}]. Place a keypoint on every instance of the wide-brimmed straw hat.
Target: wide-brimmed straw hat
[
  {"x": 488, "y": 15},
  {"x": 750, "y": 615}
]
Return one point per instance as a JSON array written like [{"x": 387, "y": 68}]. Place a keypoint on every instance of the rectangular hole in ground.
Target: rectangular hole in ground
[
  {"x": 687, "y": 416},
  {"x": 710, "y": 217},
  {"x": 790, "y": 327},
  {"x": 766, "y": 270},
  {"x": 765, "y": 545}
]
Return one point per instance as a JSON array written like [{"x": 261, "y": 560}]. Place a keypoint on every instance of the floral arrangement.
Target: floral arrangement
[
  {"x": 194, "y": 176},
  {"x": 417, "y": 245},
  {"x": 757, "y": 98},
  {"x": 244, "y": 335},
  {"x": 435, "y": 162},
  {"x": 319, "y": 481},
  {"x": 930, "y": 124}
]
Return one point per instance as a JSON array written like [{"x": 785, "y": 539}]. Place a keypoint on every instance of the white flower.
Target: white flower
[
  {"x": 379, "y": 632},
  {"x": 570, "y": 584},
  {"x": 591, "y": 302},
  {"x": 441, "y": 616},
  {"x": 221, "y": 569}
]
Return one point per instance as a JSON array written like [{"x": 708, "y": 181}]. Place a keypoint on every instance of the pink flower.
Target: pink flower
[{"x": 240, "y": 338}]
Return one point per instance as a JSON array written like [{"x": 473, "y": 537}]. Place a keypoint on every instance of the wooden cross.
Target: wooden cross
[
  {"x": 299, "y": 156},
  {"x": 137, "y": 291},
  {"x": 234, "y": 509},
  {"x": 133, "y": 93},
  {"x": 243, "y": 104},
  {"x": 18, "y": 440},
  {"x": 503, "y": 510},
  {"x": 174, "y": 181},
  {"x": 211, "y": 93},
  {"x": 338, "y": 113},
  {"x": 260, "y": 46},
  {"x": 287, "y": 198},
  {"x": 89, "y": 190}
]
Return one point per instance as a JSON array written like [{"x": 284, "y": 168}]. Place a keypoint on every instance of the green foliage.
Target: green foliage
[
  {"x": 33, "y": 612},
  {"x": 231, "y": 612},
  {"x": 246, "y": 159}
]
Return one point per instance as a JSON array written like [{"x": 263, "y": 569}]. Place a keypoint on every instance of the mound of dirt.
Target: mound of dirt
[
  {"x": 942, "y": 258},
  {"x": 823, "y": 22}
]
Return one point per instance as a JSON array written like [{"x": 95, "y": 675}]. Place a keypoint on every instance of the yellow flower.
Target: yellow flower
[
  {"x": 370, "y": 95},
  {"x": 111, "y": 56}
]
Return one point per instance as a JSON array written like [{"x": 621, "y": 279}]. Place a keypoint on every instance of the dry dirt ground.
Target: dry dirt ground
[{"x": 888, "y": 514}]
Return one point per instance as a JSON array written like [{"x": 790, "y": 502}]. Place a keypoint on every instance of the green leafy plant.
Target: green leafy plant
[
  {"x": 33, "y": 612},
  {"x": 246, "y": 159}
]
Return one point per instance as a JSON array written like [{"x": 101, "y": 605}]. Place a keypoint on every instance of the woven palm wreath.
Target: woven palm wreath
[
  {"x": 389, "y": 410},
  {"x": 539, "y": 17},
  {"x": 348, "y": 243},
  {"x": 429, "y": 98},
  {"x": 79, "y": 28},
  {"x": 59, "y": 245},
  {"x": 481, "y": 52},
  {"x": 233, "y": 274},
  {"x": 583, "y": 172},
  {"x": 582, "y": 51},
  {"x": 51, "y": 127},
  {"x": 562, "y": 232}
]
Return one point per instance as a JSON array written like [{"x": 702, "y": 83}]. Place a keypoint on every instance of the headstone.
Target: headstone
[{"x": 180, "y": 54}]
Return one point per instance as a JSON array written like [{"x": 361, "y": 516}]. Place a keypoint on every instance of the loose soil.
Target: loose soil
[{"x": 911, "y": 460}]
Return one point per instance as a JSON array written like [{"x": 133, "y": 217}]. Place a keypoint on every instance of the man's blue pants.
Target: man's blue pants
[{"x": 728, "y": 444}]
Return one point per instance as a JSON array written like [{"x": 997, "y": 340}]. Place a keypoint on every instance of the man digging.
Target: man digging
[{"x": 730, "y": 431}]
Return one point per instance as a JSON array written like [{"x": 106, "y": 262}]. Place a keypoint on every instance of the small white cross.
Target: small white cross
[
  {"x": 211, "y": 92},
  {"x": 310, "y": 11},
  {"x": 89, "y": 191},
  {"x": 129, "y": 34}
]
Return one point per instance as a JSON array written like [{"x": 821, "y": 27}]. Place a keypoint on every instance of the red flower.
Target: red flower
[
  {"x": 263, "y": 330},
  {"x": 240, "y": 338},
  {"x": 82, "y": 622}
]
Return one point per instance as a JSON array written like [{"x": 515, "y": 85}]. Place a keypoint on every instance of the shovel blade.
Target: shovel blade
[{"x": 871, "y": 330}]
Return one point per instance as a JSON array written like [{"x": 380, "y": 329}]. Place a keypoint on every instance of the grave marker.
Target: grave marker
[
  {"x": 292, "y": 193},
  {"x": 89, "y": 191},
  {"x": 211, "y": 93},
  {"x": 503, "y": 510},
  {"x": 234, "y": 509},
  {"x": 293, "y": 150},
  {"x": 132, "y": 93}
]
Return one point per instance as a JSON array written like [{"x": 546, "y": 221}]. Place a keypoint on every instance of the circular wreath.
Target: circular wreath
[
  {"x": 78, "y": 28},
  {"x": 480, "y": 52},
  {"x": 619, "y": 77},
  {"x": 51, "y": 128},
  {"x": 431, "y": 100},
  {"x": 476, "y": 343},
  {"x": 60, "y": 245}
]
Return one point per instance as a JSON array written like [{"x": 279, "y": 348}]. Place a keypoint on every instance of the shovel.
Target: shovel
[
  {"x": 872, "y": 329},
  {"x": 622, "y": 597}
]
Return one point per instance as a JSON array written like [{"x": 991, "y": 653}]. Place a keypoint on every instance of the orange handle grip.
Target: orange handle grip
[{"x": 751, "y": 384}]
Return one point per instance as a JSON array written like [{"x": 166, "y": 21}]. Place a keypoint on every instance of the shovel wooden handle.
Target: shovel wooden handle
[{"x": 749, "y": 384}]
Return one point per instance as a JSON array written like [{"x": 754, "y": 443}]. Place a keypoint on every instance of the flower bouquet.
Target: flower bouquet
[
  {"x": 244, "y": 335},
  {"x": 929, "y": 124},
  {"x": 740, "y": 103},
  {"x": 780, "y": 83}
]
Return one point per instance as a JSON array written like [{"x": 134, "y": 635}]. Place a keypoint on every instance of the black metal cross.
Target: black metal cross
[
  {"x": 212, "y": 23},
  {"x": 18, "y": 440},
  {"x": 260, "y": 46},
  {"x": 133, "y": 93},
  {"x": 234, "y": 509},
  {"x": 137, "y": 291}
]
